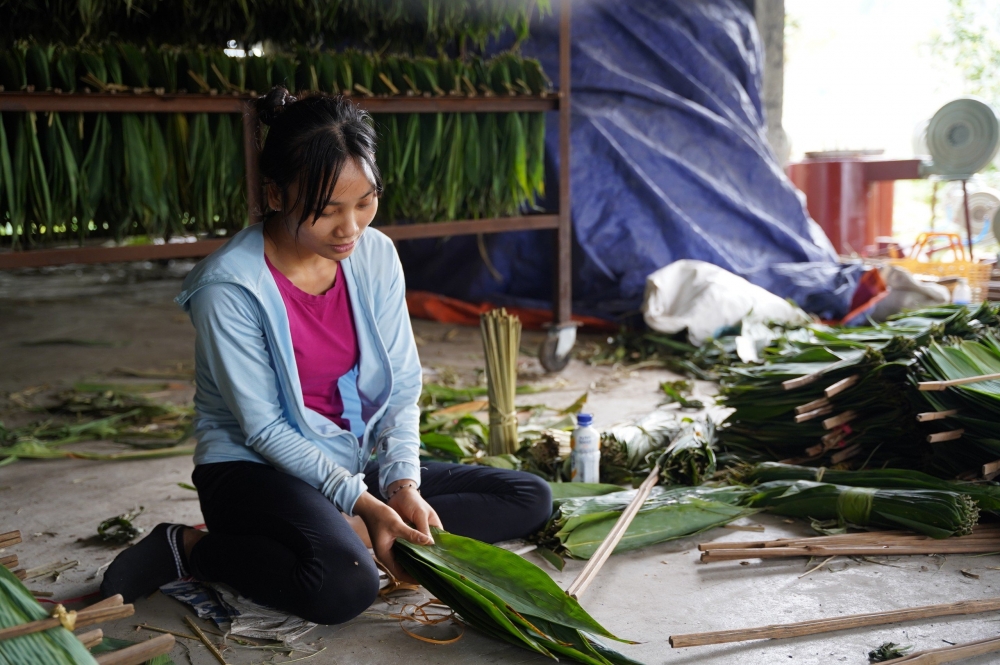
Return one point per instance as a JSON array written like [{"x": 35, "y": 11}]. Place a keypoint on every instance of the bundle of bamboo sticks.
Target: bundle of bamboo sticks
[
  {"x": 9, "y": 561},
  {"x": 501, "y": 344},
  {"x": 984, "y": 539}
]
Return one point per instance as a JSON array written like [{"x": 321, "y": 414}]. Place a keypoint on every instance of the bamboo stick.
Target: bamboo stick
[
  {"x": 204, "y": 638},
  {"x": 991, "y": 470},
  {"x": 8, "y": 561},
  {"x": 842, "y": 419},
  {"x": 816, "y": 626},
  {"x": 614, "y": 536},
  {"x": 91, "y": 638},
  {"x": 138, "y": 653},
  {"x": 847, "y": 539},
  {"x": 842, "y": 385},
  {"x": 811, "y": 415},
  {"x": 945, "y": 436},
  {"x": 813, "y": 405},
  {"x": 9, "y": 538},
  {"x": 84, "y": 617},
  {"x": 952, "y": 653},
  {"x": 111, "y": 601},
  {"x": 792, "y": 384},
  {"x": 944, "y": 385},
  {"x": 928, "y": 416},
  {"x": 845, "y": 454},
  {"x": 847, "y": 550}
]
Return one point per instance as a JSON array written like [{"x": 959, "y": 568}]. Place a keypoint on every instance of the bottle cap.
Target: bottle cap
[{"x": 584, "y": 419}]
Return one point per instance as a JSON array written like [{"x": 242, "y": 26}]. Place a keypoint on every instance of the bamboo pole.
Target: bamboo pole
[
  {"x": 91, "y": 638},
  {"x": 855, "y": 550},
  {"x": 817, "y": 626},
  {"x": 944, "y": 385},
  {"x": 138, "y": 653},
  {"x": 84, "y": 617},
  {"x": 614, "y": 536},
  {"x": 952, "y": 653}
]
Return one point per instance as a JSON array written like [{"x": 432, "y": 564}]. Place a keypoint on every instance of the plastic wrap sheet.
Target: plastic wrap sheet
[{"x": 670, "y": 161}]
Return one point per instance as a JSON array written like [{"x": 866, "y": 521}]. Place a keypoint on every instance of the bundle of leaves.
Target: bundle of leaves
[
  {"x": 73, "y": 175},
  {"x": 977, "y": 405},
  {"x": 507, "y": 597},
  {"x": 625, "y": 449},
  {"x": 986, "y": 495},
  {"x": 690, "y": 457},
  {"x": 579, "y": 525},
  {"x": 936, "y": 513}
]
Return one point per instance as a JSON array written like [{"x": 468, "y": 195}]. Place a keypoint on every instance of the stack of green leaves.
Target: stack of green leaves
[
  {"x": 579, "y": 525},
  {"x": 74, "y": 175},
  {"x": 56, "y": 646},
  {"x": 986, "y": 495},
  {"x": 428, "y": 26},
  {"x": 936, "y": 513},
  {"x": 507, "y": 597},
  {"x": 977, "y": 404},
  {"x": 828, "y": 395}
]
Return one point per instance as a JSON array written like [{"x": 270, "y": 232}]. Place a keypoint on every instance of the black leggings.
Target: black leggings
[{"x": 280, "y": 542}]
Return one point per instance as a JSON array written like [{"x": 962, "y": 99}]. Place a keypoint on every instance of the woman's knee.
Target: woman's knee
[
  {"x": 538, "y": 499},
  {"x": 348, "y": 589}
]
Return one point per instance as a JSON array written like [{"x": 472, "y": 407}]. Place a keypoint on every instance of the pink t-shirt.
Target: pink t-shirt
[{"x": 325, "y": 342}]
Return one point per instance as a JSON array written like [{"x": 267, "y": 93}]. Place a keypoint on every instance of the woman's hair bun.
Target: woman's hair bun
[{"x": 273, "y": 104}]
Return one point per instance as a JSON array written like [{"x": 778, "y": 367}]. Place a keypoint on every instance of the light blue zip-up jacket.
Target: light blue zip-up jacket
[{"x": 248, "y": 401}]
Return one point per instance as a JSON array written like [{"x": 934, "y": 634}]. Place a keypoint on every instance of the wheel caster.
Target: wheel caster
[{"x": 557, "y": 348}]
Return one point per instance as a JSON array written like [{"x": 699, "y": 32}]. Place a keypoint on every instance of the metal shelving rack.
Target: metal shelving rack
[{"x": 51, "y": 102}]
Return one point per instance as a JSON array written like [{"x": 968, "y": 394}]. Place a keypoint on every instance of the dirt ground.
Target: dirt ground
[{"x": 61, "y": 326}]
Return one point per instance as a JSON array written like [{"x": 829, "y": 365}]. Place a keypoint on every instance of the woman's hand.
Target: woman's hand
[
  {"x": 384, "y": 526},
  {"x": 412, "y": 507}
]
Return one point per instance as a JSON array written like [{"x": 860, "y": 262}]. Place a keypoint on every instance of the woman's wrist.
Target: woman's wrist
[{"x": 402, "y": 485}]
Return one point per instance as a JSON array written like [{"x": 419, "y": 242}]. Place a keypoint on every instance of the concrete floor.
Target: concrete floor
[{"x": 645, "y": 596}]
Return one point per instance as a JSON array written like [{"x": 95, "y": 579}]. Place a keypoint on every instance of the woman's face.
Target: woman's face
[{"x": 340, "y": 224}]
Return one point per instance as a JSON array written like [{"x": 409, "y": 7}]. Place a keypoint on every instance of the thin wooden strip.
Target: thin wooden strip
[
  {"x": 91, "y": 638},
  {"x": 816, "y": 626},
  {"x": 902, "y": 550},
  {"x": 111, "y": 601},
  {"x": 138, "y": 653},
  {"x": 597, "y": 560},
  {"x": 204, "y": 638},
  {"x": 928, "y": 416},
  {"x": 945, "y": 436},
  {"x": 792, "y": 384},
  {"x": 842, "y": 385},
  {"x": 991, "y": 470},
  {"x": 953, "y": 653},
  {"x": 944, "y": 385},
  {"x": 8, "y": 561}
]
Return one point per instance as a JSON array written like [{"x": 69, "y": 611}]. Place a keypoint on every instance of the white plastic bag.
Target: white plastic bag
[{"x": 703, "y": 298}]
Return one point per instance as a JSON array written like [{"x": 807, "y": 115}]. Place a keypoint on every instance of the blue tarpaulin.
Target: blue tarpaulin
[{"x": 670, "y": 161}]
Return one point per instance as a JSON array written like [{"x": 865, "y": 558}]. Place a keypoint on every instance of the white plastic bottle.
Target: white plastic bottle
[
  {"x": 586, "y": 458},
  {"x": 962, "y": 293}
]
